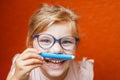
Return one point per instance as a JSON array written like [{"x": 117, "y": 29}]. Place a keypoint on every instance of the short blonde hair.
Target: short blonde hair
[{"x": 47, "y": 15}]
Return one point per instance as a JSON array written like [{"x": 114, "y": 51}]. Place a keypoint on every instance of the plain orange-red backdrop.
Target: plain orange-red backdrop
[{"x": 99, "y": 28}]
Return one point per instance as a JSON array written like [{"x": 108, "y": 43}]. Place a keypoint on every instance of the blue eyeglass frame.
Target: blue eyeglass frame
[{"x": 55, "y": 40}]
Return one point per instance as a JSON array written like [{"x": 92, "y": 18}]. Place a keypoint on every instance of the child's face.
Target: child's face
[{"x": 56, "y": 68}]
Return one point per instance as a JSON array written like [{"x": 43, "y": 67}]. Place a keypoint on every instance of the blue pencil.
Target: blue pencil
[{"x": 57, "y": 56}]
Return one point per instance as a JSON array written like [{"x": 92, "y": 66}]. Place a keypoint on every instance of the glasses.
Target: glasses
[{"x": 46, "y": 41}]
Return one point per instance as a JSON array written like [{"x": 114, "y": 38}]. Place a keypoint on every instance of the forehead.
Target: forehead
[{"x": 60, "y": 29}]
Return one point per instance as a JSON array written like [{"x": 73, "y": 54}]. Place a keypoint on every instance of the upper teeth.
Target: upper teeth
[{"x": 55, "y": 61}]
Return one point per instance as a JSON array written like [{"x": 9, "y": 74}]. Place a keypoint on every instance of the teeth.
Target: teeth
[{"x": 55, "y": 61}]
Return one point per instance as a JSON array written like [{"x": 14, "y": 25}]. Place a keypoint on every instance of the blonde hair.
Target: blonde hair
[{"x": 47, "y": 15}]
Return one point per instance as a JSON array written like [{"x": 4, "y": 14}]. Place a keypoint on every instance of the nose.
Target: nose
[{"x": 56, "y": 48}]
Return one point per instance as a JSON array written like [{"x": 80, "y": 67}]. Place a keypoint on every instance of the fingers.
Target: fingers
[
  {"x": 28, "y": 57},
  {"x": 32, "y": 62},
  {"x": 28, "y": 69},
  {"x": 27, "y": 61},
  {"x": 24, "y": 71},
  {"x": 30, "y": 53}
]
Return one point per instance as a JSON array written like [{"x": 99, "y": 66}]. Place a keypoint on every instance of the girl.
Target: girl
[{"x": 52, "y": 29}]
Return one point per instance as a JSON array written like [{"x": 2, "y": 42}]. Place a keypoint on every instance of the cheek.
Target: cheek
[{"x": 70, "y": 52}]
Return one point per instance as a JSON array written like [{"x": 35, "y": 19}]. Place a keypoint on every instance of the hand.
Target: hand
[{"x": 25, "y": 62}]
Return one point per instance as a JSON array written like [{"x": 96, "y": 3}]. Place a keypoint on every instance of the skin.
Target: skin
[{"x": 30, "y": 58}]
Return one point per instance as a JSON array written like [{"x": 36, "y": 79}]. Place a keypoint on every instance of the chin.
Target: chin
[
  {"x": 55, "y": 67},
  {"x": 55, "y": 73}
]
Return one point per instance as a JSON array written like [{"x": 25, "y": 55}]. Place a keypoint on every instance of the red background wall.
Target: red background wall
[{"x": 99, "y": 27}]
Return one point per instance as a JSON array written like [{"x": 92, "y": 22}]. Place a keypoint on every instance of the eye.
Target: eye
[
  {"x": 45, "y": 40},
  {"x": 66, "y": 42}
]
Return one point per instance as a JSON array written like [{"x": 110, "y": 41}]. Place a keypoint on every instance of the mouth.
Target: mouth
[{"x": 54, "y": 63}]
